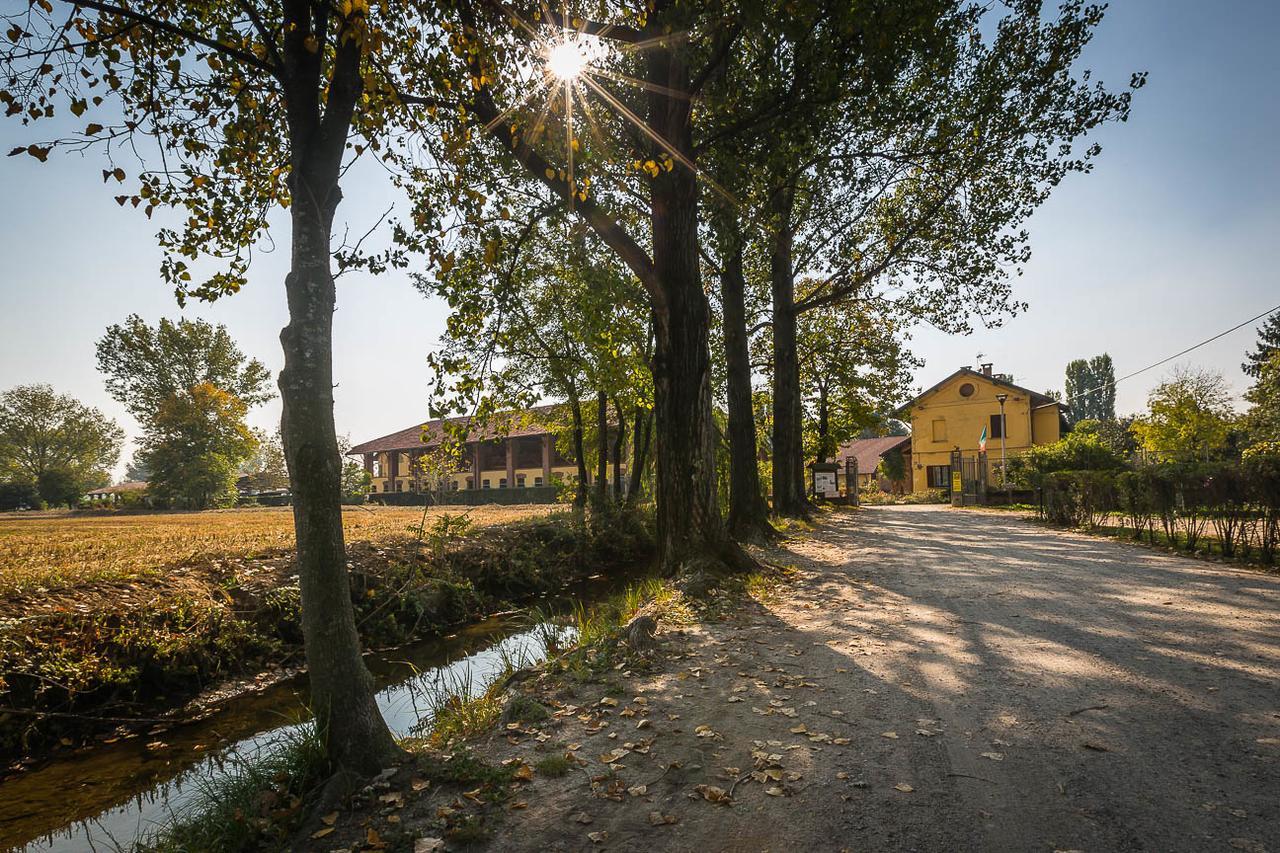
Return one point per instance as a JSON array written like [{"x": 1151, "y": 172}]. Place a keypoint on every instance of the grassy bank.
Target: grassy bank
[
  {"x": 105, "y": 657},
  {"x": 263, "y": 803}
]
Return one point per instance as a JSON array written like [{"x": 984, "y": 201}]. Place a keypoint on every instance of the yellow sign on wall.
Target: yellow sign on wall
[{"x": 956, "y": 484}]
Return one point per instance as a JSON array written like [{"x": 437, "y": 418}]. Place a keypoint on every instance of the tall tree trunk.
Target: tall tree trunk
[
  {"x": 579, "y": 452},
  {"x": 691, "y": 533},
  {"x": 602, "y": 449},
  {"x": 748, "y": 513},
  {"x": 356, "y": 739},
  {"x": 342, "y": 692},
  {"x": 642, "y": 434},
  {"x": 788, "y": 451},
  {"x": 824, "y": 424},
  {"x": 619, "y": 442}
]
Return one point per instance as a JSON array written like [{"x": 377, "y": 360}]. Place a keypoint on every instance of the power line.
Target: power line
[{"x": 1178, "y": 354}]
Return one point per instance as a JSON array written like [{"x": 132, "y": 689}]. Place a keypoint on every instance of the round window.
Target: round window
[{"x": 966, "y": 390}]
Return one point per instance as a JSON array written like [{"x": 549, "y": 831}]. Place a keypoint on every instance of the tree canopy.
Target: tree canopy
[
  {"x": 1189, "y": 415},
  {"x": 1090, "y": 388},
  {"x": 1267, "y": 346},
  {"x": 195, "y": 445},
  {"x": 147, "y": 365},
  {"x": 55, "y": 442}
]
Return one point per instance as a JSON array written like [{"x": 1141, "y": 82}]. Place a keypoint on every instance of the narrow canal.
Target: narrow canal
[{"x": 106, "y": 797}]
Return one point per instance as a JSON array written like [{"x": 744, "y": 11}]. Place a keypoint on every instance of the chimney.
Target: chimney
[{"x": 986, "y": 369}]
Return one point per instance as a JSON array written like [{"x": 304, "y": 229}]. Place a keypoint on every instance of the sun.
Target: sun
[{"x": 566, "y": 59}]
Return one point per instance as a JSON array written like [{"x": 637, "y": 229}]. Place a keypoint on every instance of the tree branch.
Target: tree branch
[
  {"x": 175, "y": 30},
  {"x": 616, "y": 32}
]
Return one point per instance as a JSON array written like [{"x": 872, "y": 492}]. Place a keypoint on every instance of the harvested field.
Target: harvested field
[{"x": 41, "y": 552}]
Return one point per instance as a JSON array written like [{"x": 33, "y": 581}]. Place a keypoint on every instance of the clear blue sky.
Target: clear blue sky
[{"x": 1174, "y": 237}]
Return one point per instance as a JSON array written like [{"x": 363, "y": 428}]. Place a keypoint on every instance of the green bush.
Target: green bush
[
  {"x": 1078, "y": 498},
  {"x": 1077, "y": 451},
  {"x": 1238, "y": 502}
]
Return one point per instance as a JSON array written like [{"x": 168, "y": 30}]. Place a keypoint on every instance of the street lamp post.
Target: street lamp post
[{"x": 1004, "y": 474}]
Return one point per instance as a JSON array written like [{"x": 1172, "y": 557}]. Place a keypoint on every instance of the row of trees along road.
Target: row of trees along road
[{"x": 887, "y": 151}]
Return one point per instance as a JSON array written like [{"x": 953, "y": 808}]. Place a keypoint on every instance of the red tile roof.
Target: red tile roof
[
  {"x": 538, "y": 420},
  {"x": 869, "y": 450}
]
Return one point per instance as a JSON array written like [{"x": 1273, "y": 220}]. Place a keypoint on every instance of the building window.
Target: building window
[
  {"x": 537, "y": 481},
  {"x": 967, "y": 389},
  {"x": 399, "y": 486},
  {"x": 997, "y": 426},
  {"x": 373, "y": 488},
  {"x": 519, "y": 481},
  {"x": 484, "y": 484},
  {"x": 502, "y": 482},
  {"x": 940, "y": 430},
  {"x": 939, "y": 476},
  {"x": 471, "y": 483}
]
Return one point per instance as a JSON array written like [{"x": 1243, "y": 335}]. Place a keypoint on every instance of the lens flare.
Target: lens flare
[{"x": 566, "y": 59}]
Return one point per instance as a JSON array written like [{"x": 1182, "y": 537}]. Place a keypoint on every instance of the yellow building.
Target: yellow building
[
  {"x": 513, "y": 450},
  {"x": 951, "y": 416}
]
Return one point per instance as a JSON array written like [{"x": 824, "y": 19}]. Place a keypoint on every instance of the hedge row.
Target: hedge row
[{"x": 1237, "y": 502}]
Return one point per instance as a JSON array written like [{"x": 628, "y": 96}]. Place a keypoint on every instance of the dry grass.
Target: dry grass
[{"x": 43, "y": 551}]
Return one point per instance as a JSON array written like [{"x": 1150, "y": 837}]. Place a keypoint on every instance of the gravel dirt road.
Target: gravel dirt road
[{"x": 946, "y": 680}]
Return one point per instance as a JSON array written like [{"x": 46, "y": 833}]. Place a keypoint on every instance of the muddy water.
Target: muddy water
[{"x": 106, "y": 797}]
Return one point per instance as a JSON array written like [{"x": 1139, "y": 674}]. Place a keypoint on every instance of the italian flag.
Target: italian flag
[{"x": 982, "y": 440}]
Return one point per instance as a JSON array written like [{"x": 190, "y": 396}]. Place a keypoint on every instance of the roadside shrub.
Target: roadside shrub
[
  {"x": 1078, "y": 498},
  {"x": 1225, "y": 492},
  {"x": 1135, "y": 497},
  {"x": 929, "y": 496},
  {"x": 1238, "y": 502},
  {"x": 1262, "y": 482}
]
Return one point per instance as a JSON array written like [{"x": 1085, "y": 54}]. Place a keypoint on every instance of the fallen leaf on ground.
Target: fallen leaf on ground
[
  {"x": 994, "y": 756},
  {"x": 598, "y": 837},
  {"x": 321, "y": 833},
  {"x": 712, "y": 794},
  {"x": 903, "y": 787},
  {"x": 660, "y": 819},
  {"x": 523, "y": 774},
  {"x": 330, "y": 819},
  {"x": 428, "y": 845},
  {"x": 582, "y": 817},
  {"x": 638, "y": 790},
  {"x": 890, "y": 735}
]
